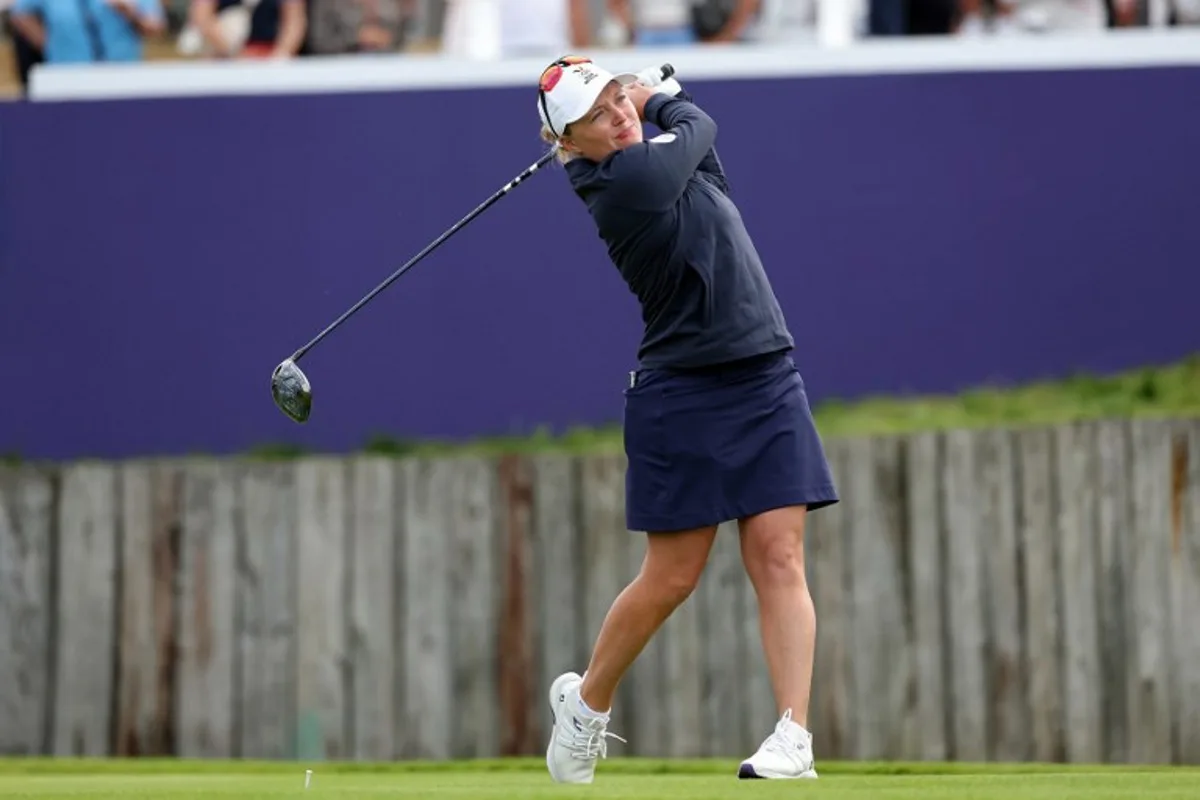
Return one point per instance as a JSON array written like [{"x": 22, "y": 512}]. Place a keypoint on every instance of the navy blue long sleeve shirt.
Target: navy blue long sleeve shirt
[{"x": 663, "y": 208}]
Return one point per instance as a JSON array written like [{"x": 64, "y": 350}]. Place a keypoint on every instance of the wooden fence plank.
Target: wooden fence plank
[
  {"x": 372, "y": 545},
  {"x": 1008, "y": 698},
  {"x": 522, "y": 702},
  {"x": 1083, "y": 703},
  {"x": 719, "y": 603},
  {"x": 321, "y": 605},
  {"x": 266, "y": 592},
  {"x": 683, "y": 635},
  {"x": 27, "y": 523},
  {"x": 1185, "y": 563},
  {"x": 648, "y": 678},
  {"x": 965, "y": 616},
  {"x": 1012, "y": 595},
  {"x": 207, "y": 690},
  {"x": 151, "y": 500},
  {"x": 927, "y": 587},
  {"x": 425, "y": 727},
  {"x": 879, "y": 636},
  {"x": 470, "y": 528},
  {"x": 1114, "y": 528},
  {"x": 564, "y": 647},
  {"x": 829, "y": 539},
  {"x": 86, "y": 610},
  {"x": 604, "y": 545},
  {"x": 1150, "y": 619},
  {"x": 1038, "y": 537}
]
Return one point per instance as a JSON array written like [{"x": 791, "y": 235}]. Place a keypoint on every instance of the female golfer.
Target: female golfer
[{"x": 717, "y": 423}]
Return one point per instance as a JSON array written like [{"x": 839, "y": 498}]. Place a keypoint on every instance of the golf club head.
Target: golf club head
[{"x": 291, "y": 390}]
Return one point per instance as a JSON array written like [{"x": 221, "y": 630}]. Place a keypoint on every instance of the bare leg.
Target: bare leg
[
  {"x": 670, "y": 571},
  {"x": 773, "y": 553}
]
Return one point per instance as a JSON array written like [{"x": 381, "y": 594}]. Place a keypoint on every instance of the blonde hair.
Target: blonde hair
[{"x": 562, "y": 153}]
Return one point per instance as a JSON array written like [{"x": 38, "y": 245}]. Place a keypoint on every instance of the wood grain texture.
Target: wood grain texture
[
  {"x": 425, "y": 728},
  {"x": 878, "y": 608},
  {"x": 966, "y": 617},
  {"x": 522, "y": 707},
  {"x": 1039, "y": 545},
  {"x": 266, "y": 602},
  {"x": 208, "y": 691},
  {"x": 1114, "y": 528},
  {"x": 473, "y": 585},
  {"x": 322, "y": 595},
  {"x": 28, "y": 500},
  {"x": 722, "y": 688},
  {"x": 372, "y": 538},
  {"x": 88, "y": 595},
  {"x": 927, "y": 595},
  {"x": 1149, "y": 676},
  {"x": 1024, "y": 594},
  {"x": 1185, "y": 586},
  {"x": 1082, "y": 691},
  {"x": 151, "y": 517},
  {"x": 564, "y": 646},
  {"x": 1008, "y": 700}
]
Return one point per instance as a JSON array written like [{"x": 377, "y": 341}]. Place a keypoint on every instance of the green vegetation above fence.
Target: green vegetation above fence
[{"x": 1168, "y": 390}]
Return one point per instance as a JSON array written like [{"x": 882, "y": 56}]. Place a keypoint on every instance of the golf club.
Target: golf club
[{"x": 291, "y": 388}]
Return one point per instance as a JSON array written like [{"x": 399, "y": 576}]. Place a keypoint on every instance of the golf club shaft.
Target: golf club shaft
[
  {"x": 429, "y": 248},
  {"x": 666, "y": 71}
]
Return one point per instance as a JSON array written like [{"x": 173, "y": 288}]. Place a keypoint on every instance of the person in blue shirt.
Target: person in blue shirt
[
  {"x": 717, "y": 423},
  {"x": 82, "y": 31}
]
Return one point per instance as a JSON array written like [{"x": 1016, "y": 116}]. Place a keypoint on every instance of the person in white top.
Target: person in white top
[
  {"x": 653, "y": 23},
  {"x": 1041, "y": 16},
  {"x": 492, "y": 29}
]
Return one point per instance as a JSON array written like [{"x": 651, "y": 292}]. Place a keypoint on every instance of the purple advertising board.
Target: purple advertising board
[{"x": 924, "y": 232}]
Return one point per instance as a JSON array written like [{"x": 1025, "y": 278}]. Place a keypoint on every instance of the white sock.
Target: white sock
[{"x": 587, "y": 711}]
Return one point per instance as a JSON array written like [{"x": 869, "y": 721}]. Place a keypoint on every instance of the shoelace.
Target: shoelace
[
  {"x": 588, "y": 744},
  {"x": 781, "y": 743}
]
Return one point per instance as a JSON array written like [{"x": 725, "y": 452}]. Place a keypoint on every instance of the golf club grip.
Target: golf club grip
[{"x": 429, "y": 248}]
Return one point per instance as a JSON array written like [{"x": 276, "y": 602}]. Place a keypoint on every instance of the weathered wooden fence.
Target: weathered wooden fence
[{"x": 1005, "y": 595}]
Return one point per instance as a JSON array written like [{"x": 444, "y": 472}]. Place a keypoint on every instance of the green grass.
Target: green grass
[
  {"x": 510, "y": 779},
  {"x": 1171, "y": 390}
]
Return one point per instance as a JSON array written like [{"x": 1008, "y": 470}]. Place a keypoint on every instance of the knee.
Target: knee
[
  {"x": 672, "y": 585},
  {"x": 776, "y": 561}
]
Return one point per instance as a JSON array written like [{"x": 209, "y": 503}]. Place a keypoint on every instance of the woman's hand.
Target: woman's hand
[{"x": 638, "y": 94}]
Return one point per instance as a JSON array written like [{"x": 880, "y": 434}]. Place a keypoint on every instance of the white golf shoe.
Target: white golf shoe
[
  {"x": 786, "y": 753},
  {"x": 577, "y": 739}
]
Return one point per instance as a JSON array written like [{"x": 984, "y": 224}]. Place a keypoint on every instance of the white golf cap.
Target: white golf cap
[{"x": 569, "y": 87}]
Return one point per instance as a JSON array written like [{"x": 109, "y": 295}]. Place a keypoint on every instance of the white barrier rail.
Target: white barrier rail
[{"x": 314, "y": 75}]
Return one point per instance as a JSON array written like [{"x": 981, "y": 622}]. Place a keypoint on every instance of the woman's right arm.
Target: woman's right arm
[{"x": 652, "y": 175}]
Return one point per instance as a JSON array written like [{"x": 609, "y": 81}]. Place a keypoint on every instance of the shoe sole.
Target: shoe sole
[
  {"x": 747, "y": 772},
  {"x": 556, "y": 689}
]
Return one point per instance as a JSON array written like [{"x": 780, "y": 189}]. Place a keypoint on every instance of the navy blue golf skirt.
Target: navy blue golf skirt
[{"x": 718, "y": 444}]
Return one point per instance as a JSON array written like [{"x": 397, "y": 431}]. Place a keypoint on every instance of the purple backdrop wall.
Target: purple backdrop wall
[{"x": 924, "y": 232}]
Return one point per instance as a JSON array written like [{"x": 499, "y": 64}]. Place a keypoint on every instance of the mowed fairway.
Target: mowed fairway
[{"x": 619, "y": 778}]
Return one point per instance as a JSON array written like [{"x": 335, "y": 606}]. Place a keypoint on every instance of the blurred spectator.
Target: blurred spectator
[
  {"x": 75, "y": 31},
  {"x": 912, "y": 17},
  {"x": 25, "y": 55},
  {"x": 544, "y": 28},
  {"x": 246, "y": 28},
  {"x": 1041, "y": 16},
  {"x": 1185, "y": 12},
  {"x": 358, "y": 26},
  {"x": 655, "y": 23},
  {"x": 1160, "y": 13}
]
